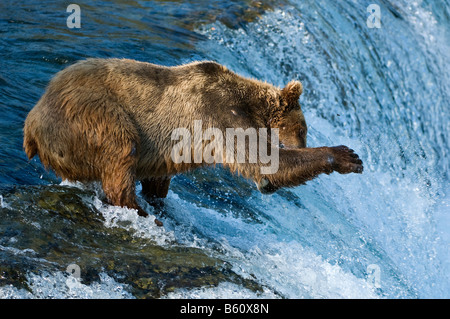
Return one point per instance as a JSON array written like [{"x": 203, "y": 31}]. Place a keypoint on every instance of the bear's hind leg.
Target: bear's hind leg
[{"x": 119, "y": 186}]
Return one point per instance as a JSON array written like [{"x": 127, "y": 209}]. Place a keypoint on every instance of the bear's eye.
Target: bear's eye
[{"x": 281, "y": 145}]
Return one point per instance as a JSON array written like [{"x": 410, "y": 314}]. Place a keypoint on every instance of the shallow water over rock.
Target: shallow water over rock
[{"x": 59, "y": 229}]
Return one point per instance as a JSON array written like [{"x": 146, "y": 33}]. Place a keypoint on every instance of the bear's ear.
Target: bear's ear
[{"x": 292, "y": 91}]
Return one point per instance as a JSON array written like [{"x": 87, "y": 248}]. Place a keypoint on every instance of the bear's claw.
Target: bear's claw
[{"x": 345, "y": 160}]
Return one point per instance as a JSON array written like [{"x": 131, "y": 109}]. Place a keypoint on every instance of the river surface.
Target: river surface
[{"x": 382, "y": 91}]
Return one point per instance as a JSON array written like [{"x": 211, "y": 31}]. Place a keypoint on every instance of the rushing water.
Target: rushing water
[{"x": 382, "y": 91}]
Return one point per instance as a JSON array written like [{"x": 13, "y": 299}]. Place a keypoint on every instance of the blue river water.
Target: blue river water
[{"x": 382, "y": 91}]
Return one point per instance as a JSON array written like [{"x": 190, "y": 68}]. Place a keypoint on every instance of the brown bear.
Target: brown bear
[{"x": 111, "y": 120}]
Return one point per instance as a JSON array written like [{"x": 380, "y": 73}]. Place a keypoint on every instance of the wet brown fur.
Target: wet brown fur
[{"x": 111, "y": 120}]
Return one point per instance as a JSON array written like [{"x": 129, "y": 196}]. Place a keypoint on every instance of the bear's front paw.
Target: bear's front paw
[{"x": 344, "y": 160}]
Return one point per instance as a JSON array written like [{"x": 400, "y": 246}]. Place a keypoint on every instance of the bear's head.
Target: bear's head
[{"x": 289, "y": 117}]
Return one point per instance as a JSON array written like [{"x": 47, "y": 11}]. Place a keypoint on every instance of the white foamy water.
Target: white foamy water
[{"x": 60, "y": 286}]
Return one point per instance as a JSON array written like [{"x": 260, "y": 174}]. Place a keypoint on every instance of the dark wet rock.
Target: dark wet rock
[{"x": 47, "y": 228}]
